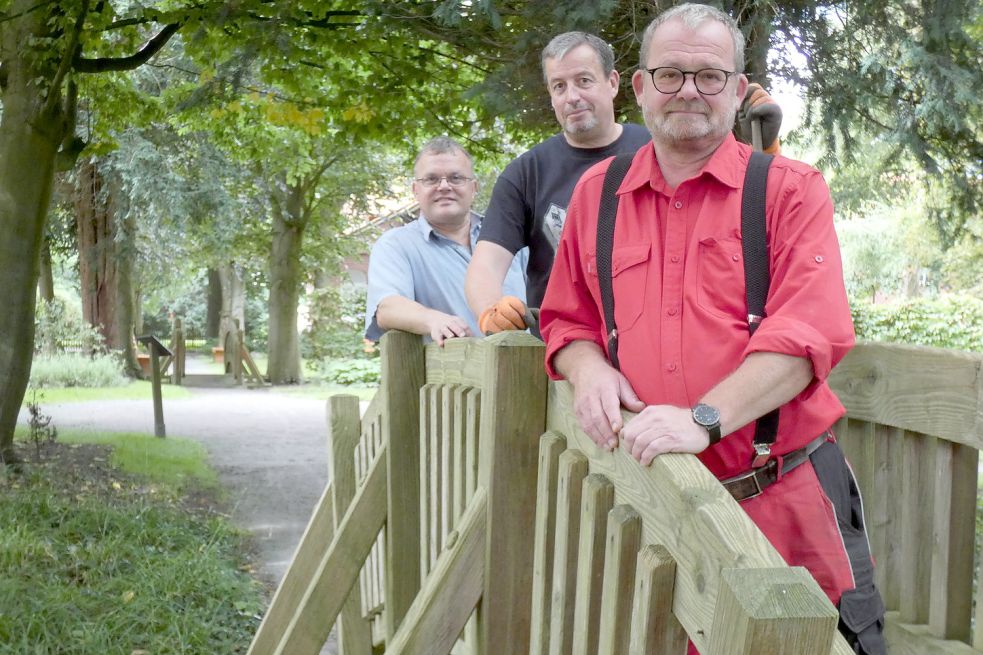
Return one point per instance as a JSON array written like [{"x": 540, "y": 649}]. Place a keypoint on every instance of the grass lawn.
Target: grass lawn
[
  {"x": 136, "y": 390},
  {"x": 325, "y": 391},
  {"x": 116, "y": 544}
]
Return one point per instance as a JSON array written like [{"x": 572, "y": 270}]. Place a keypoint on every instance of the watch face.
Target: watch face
[{"x": 706, "y": 415}]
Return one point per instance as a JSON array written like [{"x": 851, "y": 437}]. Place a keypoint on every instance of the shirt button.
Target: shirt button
[
  {"x": 671, "y": 368},
  {"x": 672, "y": 311},
  {"x": 735, "y": 257},
  {"x": 678, "y": 205},
  {"x": 819, "y": 259},
  {"x": 674, "y": 259}
]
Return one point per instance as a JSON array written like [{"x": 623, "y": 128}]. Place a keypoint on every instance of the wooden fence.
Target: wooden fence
[{"x": 467, "y": 513}]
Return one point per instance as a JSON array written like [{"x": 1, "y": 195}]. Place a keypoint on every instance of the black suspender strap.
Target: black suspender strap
[
  {"x": 757, "y": 278},
  {"x": 606, "y": 216}
]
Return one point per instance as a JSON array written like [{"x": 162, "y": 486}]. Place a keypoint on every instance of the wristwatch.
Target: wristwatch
[{"x": 708, "y": 417}]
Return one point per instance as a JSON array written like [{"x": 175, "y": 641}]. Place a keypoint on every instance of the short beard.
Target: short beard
[
  {"x": 581, "y": 127},
  {"x": 712, "y": 126}
]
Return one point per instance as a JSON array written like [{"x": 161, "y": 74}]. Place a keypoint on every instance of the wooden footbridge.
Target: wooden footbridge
[{"x": 467, "y": 513}]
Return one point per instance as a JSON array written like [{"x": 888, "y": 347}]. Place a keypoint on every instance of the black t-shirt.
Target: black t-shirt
[{"x": 529, "y": 202}]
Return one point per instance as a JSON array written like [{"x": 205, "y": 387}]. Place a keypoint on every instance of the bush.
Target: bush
[
  {"x": 75, "y": 370},
  {"x": 57, "y": 328},
  {"x": 352, "y": 371},
  {"x": 952, "y": 321},
  {"x": 337, "y": 325}
]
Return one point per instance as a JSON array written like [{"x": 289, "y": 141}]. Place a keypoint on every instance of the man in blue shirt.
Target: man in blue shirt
[{"x": 416, "y": 272}]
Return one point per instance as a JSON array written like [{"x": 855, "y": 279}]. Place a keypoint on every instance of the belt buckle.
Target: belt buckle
[
  {"x": 762, "y": 453},
  {"x": 740, "y": 478}
]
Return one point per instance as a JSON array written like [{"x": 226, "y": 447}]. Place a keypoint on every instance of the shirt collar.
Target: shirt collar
[
  {"x": 427, "y": 232},
  {"x": 726, "y": 165}
]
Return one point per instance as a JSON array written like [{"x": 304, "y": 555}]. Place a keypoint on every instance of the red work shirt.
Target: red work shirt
[{"x": 678, "y": 281}]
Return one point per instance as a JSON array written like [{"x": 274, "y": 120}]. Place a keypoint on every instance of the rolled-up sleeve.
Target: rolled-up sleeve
[
  {"x": 569, "y": 311},
  {"x": 807, "y": 314}
]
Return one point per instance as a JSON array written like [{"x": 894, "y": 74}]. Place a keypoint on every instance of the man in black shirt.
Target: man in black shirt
[{"x": 529, "y": 201}]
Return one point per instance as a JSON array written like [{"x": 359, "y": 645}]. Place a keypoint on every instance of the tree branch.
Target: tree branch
[
  {"x": 54, "y": 97},
  {"x": 83, "y": 65}
]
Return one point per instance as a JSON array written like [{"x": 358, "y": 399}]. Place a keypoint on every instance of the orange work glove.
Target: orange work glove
[
  {"x": 758, "y": 104},
  {"x": 506, "y": 314}
]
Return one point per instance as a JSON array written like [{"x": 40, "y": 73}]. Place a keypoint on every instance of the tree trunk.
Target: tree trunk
[
  {"x": 755, "y": 19},
  {"x": 124, "y": 311},
  {"x": 214, "y": 312},
  {"x": 46, "y": 282},
  {"x": 97, "y": 253},
  {"x": 283, "y": 348},
  {"x": 233, "y": 308},
  {"x": 31, "y": 129}
]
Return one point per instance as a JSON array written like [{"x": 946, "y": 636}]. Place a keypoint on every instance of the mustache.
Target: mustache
[{"x": 684, "y": 105}]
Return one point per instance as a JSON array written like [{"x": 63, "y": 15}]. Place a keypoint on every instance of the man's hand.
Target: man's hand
[
  {"x": 599, "y": 391},
  {"x": 662, "y": 429},
  {"x": 506, "y": 314},
  {"x": 444, "y": 326},
  {"x": 759, "y": 105}
]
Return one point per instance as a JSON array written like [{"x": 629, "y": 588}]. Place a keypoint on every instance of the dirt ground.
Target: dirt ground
[{"x": 269, "y": 449}]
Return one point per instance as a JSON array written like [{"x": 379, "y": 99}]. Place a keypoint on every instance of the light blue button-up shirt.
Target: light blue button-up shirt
[{"x": 417, "y": 262}]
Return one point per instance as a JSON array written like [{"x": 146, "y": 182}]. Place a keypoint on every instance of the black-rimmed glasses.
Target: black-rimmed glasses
[
  {"x": 455, "y": 179},
  {"x": 669, "y": 79}
]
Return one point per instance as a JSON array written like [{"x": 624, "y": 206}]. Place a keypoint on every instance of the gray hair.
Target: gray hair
[
  {"x": 440, "y": 145},
  {"x": 694, "y": 15},
  {"x": 561, "y": 44}
]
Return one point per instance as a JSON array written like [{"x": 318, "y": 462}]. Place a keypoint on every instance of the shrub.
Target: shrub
[
  {"x": 352, "y": 371},
  {"x": 75, "y": 370},
  {"x": 337, "y": 324},
  {"x": 59, "y": 327},
  {"x": 952, "y": 321}
]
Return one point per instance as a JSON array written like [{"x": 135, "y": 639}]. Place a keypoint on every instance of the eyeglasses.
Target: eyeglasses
[
  {"x": 456, "y": 179},
  {"x": 709, "y": 81}
]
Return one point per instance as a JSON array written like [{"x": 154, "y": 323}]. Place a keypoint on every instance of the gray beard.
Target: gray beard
[
  {"x": 582, "y": 127},
  {"x": 666, "y": 129}
]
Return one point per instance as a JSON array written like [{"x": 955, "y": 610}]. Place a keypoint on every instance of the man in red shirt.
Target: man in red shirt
[{"x": 690, "y": 367}]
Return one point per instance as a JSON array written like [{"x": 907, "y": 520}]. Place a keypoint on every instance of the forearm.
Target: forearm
[
  {"x": 486, "y": 276},
  {"x": 764, "y": 381},
  {"x": 575, "y": 360},
  {"x": 401, "y": 313}
]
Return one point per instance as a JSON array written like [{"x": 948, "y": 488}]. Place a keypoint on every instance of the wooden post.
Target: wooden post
[
  {"x": 345, "y": 430},
  {"x": 237, "y": 361},
  {"x": 158, "y": 398},
  {"x": 513, "y": 416},
  {"x": 778, "y": 611},
  {"x": 402, "y": 377},
  {"x": 177, "y": 336}
]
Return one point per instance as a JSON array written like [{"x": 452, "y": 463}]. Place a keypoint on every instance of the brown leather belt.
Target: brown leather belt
[{"x": 751, "y": 484}]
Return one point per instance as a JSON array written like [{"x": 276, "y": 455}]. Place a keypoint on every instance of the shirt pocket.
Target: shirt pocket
[
  {"x": 629, "y": 275},
  {"x": 720, "y": 278}
]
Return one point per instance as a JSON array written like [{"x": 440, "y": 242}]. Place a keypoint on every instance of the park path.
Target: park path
[{"x": 269, "y": 450}]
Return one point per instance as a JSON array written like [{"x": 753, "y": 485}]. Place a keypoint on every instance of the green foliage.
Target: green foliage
[
  {"x": 59, "y": 327},
  {"x": 352, "y": 371},
  {"x": 40, "y": 431},
  {"x": 131, "y": 390},
  {"x": 337, "y": 324},
  {"x": 76, "y": 370},
  {"x": 113, "y": 570},
  {"x": 951, "y": 321}
]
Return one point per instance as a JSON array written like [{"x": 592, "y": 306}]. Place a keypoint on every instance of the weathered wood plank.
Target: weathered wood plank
[
  {"x": 315, "y": 541},
  {"x": 338, "y": 568},
  {"x": 654, "y": 627},
  {"x": 917, "y": 498},
  {"x": 472, "y": 443},
  {"x": 434, "y": 400},
  {"x": 883, "y": 512},
  {"x": 426, "y": 463},
  {"x": 597, "y": 501},
  {"x": 621, "y": 554},
  {"x": 402, "y": 377},
  {"x": 927, "y": 390},
  {"x": 447, "y": 456},
  {"x": 551, "y": 445},
  {"x": 344, "y": 428},
  {"x": 907, "y": 639},
  {"x": 513, "y": 416},
  {"x": 683, "y": 507},
  {"x": 776, "y": 611},
  {"x": 433, "y": 623},
  {"x": 956, "y": 470},
  {"x": 459, "y": 361},
  {"x": 569, "y": 491},
  {"x": 460, "y": 443}
]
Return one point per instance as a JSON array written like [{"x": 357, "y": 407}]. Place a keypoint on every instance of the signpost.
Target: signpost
[{"x": 157, "y": 349}]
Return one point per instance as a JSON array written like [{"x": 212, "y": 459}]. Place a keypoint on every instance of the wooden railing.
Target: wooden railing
[{"x": 434, "y": 537}]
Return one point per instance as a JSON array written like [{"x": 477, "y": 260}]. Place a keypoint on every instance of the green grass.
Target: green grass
[
  {"x": 136, "y": 390},
  {"x": 95, "y": 564},
  {"x": 173, "y": 462},
  {"x": 325, "y": 390}
]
